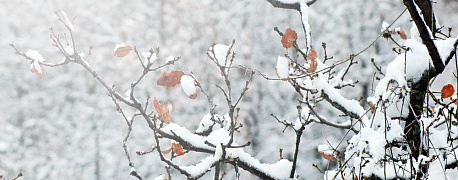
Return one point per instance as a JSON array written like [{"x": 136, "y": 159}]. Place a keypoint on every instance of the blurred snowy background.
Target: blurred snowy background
[{"x": 62, "y": 125}]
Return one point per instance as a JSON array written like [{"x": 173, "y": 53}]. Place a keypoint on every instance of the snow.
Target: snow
[
  {"x": 385, "y": 25},
  {"x": 350, "y": 105},
  {"x": 206, "y": 164},
  {"x": 325, "y": 149},
  {"x": 219, "y": 136},
  {"x": 278, "y": 170},
  {"x": 161, "y": 177},
  {"x": 288, "y": 1},
  {"x": 146, "y": 55},
  {"x": 305, "y": 22},
  {"x": 205, "y": 123},
  {"x": 169, "y": 59},
  {"x": 282, "y": 68},
  {"x": 119, "y": 46},
  {"x": 221, "y": 51},
  {"x": 189, "y": 86},
  {"x": 33, "y": 54},
  {"x": 69, "y": 50},
  {"x": 67, "y": 21}
]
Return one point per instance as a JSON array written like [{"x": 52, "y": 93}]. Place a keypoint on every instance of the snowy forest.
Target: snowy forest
[{"x": 213, "y": 89}]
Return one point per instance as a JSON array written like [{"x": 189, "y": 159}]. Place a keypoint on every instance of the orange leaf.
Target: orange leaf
[
  {"x": 311, "y": 60},
  {"x": 163, "y": 110},
  {"x": 166, "y": 151},
  {"x": 328, "y": 156},
  {"x": 288, "y": 38},
  {"x": 447, "y": 91},
  {"x": 122, "y": 51},
  {"x": 170, "y": 79},
  {"x": 177, "y": 148}
]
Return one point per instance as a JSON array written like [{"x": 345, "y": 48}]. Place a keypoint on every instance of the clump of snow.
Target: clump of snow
[
  {"x": 189, "y": 86},
  {"x": 325, "y": 149},
  {"x": 33, "y": 54},
  {"x": 221, "y": 52},
  {"x": 69, "y": 50},
  {"x": 219, "y": 136},
  {"x": 147, "y": 55},
  {"x": 282, "y": 68},
  {"x": 205, "y": 165},
  {"x": 169, "y": 59},
  {"x": 205, "y": 124},
  {"x": 385, "y": 25}
]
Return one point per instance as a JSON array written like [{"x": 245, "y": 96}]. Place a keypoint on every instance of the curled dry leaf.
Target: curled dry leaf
[
  {"x": 170, "y": 79},
  {"x": 121, "y": 50},
  {"x": 402, "y": 34},
  {"x": 329, "y": 157},
  {"x": 163, "y": 110},
  {"x": 327, "y": 152},
  {"x": 311, "y": 60},
  {"x": 36, "y": 68},
  {"x": 288, "y": 38},
  {"x": 177, "y": 148},
  {"x": 447, "y": 91},
  {"x": 166, "y": 151},
  {"x": 372, "y": 106}
]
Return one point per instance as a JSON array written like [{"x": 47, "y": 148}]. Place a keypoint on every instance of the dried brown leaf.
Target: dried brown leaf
[
  {"x": 311, "y": 60},
  {"x": 170, "y": 79},
  {"x": 164, "y": 110},
  {"x": 288, "y": 38},
  {"x": 122, "y": 51},
  {"x": 447, "y": 91}
]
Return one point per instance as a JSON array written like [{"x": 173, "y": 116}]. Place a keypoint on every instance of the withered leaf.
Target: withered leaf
[
  {"x": 447, "y": 91},
  {"x": 122, "y": 51},
  {"x": 311, "y": 60},
  {"x": 170, "y": 79},
  {"x": 288, "y": 38},
  {"x": 163, "y": 110},
  {"x": 177, "y": 148}
]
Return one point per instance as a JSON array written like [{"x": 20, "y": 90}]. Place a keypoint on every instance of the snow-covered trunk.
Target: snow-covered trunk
[{"x": 419, "y": 88}]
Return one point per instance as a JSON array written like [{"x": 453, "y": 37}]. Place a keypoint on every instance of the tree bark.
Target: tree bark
[{"x": 426, "y": 28}]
